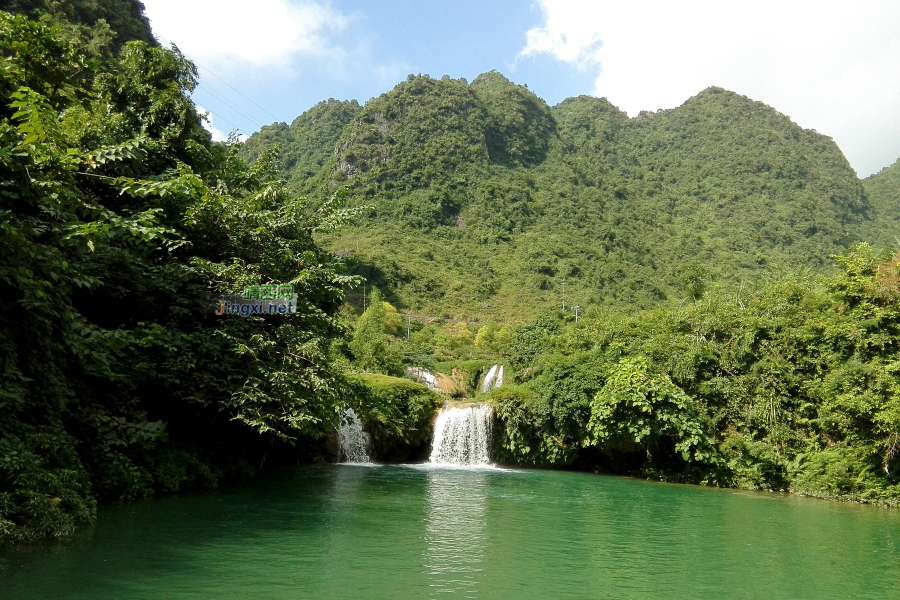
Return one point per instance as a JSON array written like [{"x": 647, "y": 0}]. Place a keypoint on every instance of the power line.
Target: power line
[
  {"x": 207, "y": 86},
  {"x": 218, "y": 116},
  {"x": 251, "y": 119},
  {"x": 236, "y": 90}
]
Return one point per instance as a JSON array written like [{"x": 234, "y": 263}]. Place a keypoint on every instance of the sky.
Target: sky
[{"x": 832, "y": 66}]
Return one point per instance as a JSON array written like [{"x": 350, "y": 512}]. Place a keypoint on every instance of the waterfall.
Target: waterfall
[
  {"x": 353, "y": 442},
  {"x": 493, "y": 379},
  {"x": 423, "y": 375},
  {"x": 462, "y": 436},
  {"x": 439, "y": 382}
]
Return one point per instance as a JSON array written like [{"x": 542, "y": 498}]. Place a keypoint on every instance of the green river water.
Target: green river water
[{"x": 418, "y": 532}]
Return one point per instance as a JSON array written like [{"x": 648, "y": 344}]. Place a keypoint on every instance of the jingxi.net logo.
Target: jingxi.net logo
[{"x": 260, "y": 300}]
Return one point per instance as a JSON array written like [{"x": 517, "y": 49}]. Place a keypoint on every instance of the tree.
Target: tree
[
  {"x": 371, "y": 346},
  {"x": 392, "y": 319},
  {"x": 693, "y": 278},
  {"x": 504, "y": 338},
  {"x": 453, "y": 336},
  {"x": 638, "y": 409},
  {"x": 484, "y": 339}
]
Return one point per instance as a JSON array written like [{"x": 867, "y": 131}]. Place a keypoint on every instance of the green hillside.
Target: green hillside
[
  {"x": 309, "y": 141},
  {"x": 883, "y": 190},
  {"x": 485, "y": 200},
  {"x": 124, "y": 19}
]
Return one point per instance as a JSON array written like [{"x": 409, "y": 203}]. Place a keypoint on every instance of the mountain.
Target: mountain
[
  {"x": 309, "y": 141},
  {"x": 883, "y": 190},
  {"x": 125, "y": 18},
  {"x": 486, "y": 203}
]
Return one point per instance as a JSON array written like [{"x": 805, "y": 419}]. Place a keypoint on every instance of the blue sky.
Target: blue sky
[
  {"x": 828, "y": 65},
  {"x": 380, "y": 48}
]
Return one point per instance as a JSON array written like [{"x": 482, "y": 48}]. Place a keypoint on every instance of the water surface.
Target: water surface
[{"x": 404, "y": 532}]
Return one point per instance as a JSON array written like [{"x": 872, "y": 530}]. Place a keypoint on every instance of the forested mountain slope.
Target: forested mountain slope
[
  {"x": 125, "y": 19},
  {"x": 309, "y": 141},
  {"x": 485, "y": 200},
  {"x": 883, "y": 190}
]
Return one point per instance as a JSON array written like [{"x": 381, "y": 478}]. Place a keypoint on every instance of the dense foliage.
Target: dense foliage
[
  {"x": 308, "y": 144},
  {"x": 790, "y": 384},
  {"x": 398, "y": 413},
  {"x": 481, "y": 207},
  {"x": 119, "y": 223},
  {"x": 116, "y": 21},
  {"x": 883, "y": 190}
]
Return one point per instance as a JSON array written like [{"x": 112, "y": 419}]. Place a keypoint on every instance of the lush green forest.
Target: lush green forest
[
  {"x": 789, "y": 383},
  {"x": 731, "y": 330},
  {"x": 883, "y": 190},
  {"x": 105, "y": 25}
]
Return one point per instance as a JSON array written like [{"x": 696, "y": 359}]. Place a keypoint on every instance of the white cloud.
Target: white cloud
[
  {"x": 235, "y": 34},
  {"x": 830, "y": 65},
  {"x": 206, "y": 119},
  {"x": 565, "y": 36}
]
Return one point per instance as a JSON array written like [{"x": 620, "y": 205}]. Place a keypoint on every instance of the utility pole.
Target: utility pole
[
  {"x": 564, "y": 294},
  {"x": 577, "y": 308}
]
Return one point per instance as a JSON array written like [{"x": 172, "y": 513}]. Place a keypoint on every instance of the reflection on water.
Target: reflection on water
[
  {"x": 456, "y": 525},
  {"x": 346, "y": 484},
  {"x": 341, "y": 532},
  {"x": 339, "y": 536}
]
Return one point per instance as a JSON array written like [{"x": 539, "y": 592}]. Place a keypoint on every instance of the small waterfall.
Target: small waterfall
[
  {"x": 462, "y": 436},
  {"x": 353, "y": 442},
  {"x": 423, "y": 375},
  {"x": 493, "y": 379},
  {"x": 439, "y": 382}
]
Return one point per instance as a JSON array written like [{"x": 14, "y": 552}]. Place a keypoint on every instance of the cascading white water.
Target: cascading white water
[
  {"x": 353, "y": 442},
  {"x": 493, "y": 379},
  {"x": 423, "y": 375},
  {"x": 462, "y": 436}
]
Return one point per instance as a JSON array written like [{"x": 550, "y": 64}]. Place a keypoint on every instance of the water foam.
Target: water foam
[
  {"x": 353, "y": 442},
  {"x": 493, "y": 379},
  {"x": 462, "y": 436}
]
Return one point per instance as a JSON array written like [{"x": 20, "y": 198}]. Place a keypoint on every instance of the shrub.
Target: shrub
[{"x": 397, "y": 413}]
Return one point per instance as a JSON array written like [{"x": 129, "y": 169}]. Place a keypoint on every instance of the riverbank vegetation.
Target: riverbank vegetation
[
  {"x": 789, "y": 383},
  {"x": 120, "y": 222}
]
